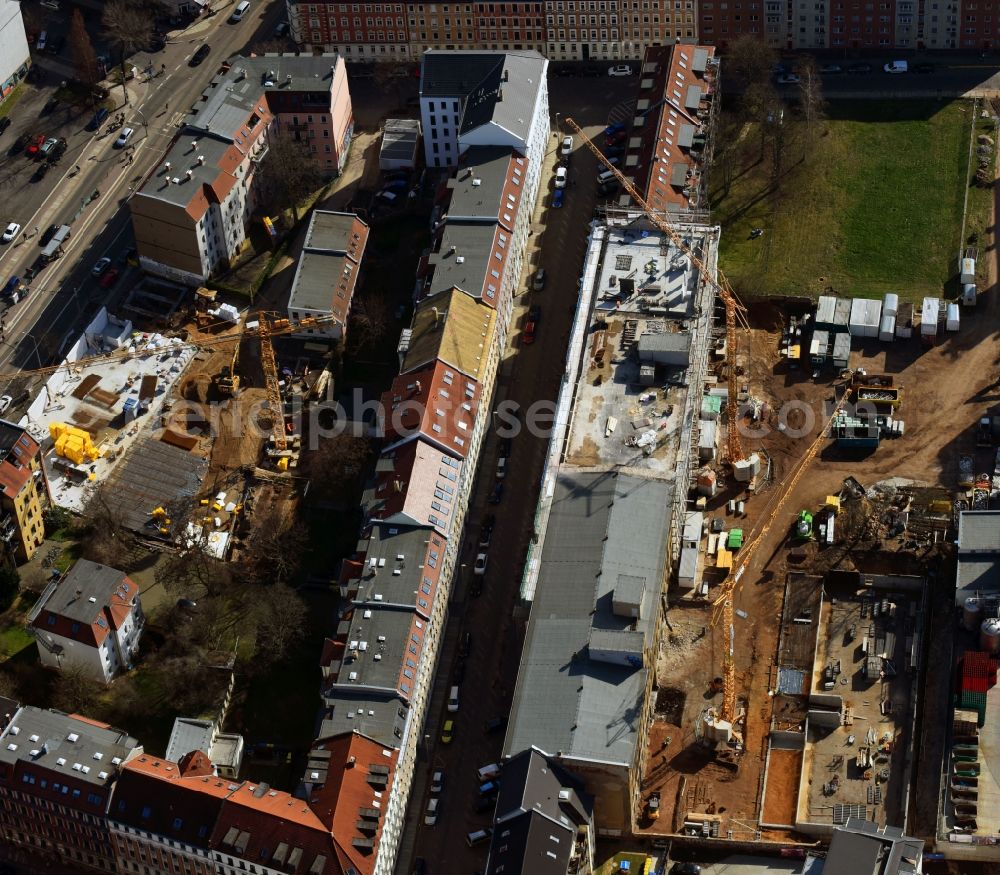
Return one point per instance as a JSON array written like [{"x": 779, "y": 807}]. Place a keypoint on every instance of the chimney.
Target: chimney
[
  {"x": 201, "y": 159},
  {"x": 194, "y": 145},
  {"x": 288, "y": 79},
  {"x": 189, "y": 173},
  {"x": 351, "y": 761},
  {"x": 166, "y": 165}
]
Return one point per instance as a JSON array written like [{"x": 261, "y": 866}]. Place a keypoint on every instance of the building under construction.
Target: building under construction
[{"x": 616, "y": 489}]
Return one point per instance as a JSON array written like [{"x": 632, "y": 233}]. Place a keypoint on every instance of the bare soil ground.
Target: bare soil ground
[{"x": 783, "y": 773}]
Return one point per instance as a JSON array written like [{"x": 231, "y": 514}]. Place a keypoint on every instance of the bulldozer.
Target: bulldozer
[{"x": 804, "y": 526}]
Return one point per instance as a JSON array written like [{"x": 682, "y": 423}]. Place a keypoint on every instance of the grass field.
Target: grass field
[{"x": 873, "y": 205}]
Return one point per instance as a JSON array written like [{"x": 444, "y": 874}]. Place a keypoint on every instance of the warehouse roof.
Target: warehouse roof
[{"x": 603, "y": 525}]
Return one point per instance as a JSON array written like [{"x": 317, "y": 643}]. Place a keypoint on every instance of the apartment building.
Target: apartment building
[
  {"x": 357, "y": 31},
  {"x": 15, "y": 56},
  {"x": 670, "y": 142},
  {"x": 23, "y": 492},
  {"x": 192, "y": 214},
  {"x": 328, "y": 272},
  {"x": 90, "y": 618},
  {"x": 162, "y": 815},
  {"x": 471, "y": 98},
  {"x": 57, "y": 772}
]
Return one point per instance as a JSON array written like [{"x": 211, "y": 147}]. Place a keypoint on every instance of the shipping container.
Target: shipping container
[
  {"x": 819, "y": 347},
  {"x": 967, "y": 270},
  {"x": 890, "y": 304},
  {"x": 969, "y": 294},
  {"x": 866, "y": 314},
  {"x": 833, "y": 314}
]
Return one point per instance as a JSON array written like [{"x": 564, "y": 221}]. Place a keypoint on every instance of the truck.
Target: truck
[{"x": 984, "y": 433}]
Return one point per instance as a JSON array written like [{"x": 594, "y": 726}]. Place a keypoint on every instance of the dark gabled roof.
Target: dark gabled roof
[{"x": 448, "y": 74}]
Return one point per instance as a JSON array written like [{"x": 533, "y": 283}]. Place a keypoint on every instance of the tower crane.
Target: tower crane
[{"x": 723, "y": 604}]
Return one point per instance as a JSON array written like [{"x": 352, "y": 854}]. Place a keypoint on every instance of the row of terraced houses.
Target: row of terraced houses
[
  {"x": 570, "y": 30},
  {"x": 86, "y": 795}
]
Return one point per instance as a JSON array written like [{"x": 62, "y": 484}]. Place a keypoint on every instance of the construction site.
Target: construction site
[
  {"x": 788, "y": 677},
  {"x": 182, "y": 428}
]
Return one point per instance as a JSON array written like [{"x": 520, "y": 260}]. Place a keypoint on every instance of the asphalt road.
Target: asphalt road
[{"x": 38, "y": 329}]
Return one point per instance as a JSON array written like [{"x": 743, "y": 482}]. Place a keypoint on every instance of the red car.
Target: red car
[
  {"x": 110, "y": 277},
  {"x": 529, "y": 332},
  {"x": 35, "y": 146}
]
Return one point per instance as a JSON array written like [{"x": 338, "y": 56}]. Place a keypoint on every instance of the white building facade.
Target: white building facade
[{"x": 15, "y": 56}]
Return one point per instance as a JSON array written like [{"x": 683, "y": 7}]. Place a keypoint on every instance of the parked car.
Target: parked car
[
  {"x": 538, "y": 281},
  {"x": 46, "y": 148},
  {"x": 485, "y": 535},
  {"x": 100, "y": 266},
  {"x": 788, "y": 79},
  {"x": 614, "y": 151},
  {"x": 35, "y": 146},
  {"x": 40, "y": 172},
  {"x": 614, "y": 128},
  {"x": 47, "y": 234},
  {"x": 110, "y": 277},
  {"x": 535, "y": 314},
  {"x": 558, "y": 198},
  {"x": 51, "y": 105},
  {"x": 566, "y": 147},
  {"x": 501, "y": 468},
  {"x": 124, "y": 137},
  {"x": 476, "y": 587},
  {"x": 437, "y": 783},
  {"x": 200, "y": 55},
  {"x": 11, "y": 231},
  {"x": 497, "y": 494},
  {"x": 608, "y": 188},
  {"x": 480, "y": 566},
  {"x": 620, "y": 70},
  {"x": 896, "y": 67},
  {"x": 448, "y": 732},
  {"x": 484, "y": 803},
  {"x": 187, "y": 604},
  {"x": 57, "y": 151},
  {"x": 495, "y": 724},
  {"x": 281, "y": 29},
  {"x": 465, "y": 646},
  {"x": 11, "y": 285},
  {"x": 831, "y": 69},
  {"x": 561, "y": 176},
  {"x": 433, "y": 809},
  {"x": 528, "y": 337}
]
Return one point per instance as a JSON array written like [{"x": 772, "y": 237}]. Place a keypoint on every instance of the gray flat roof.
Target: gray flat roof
[
  {"x": 377, "y": 641},
  {"x": 380, "y": 716},
  {"x": 665, "y": 341},
  {"x": 399, "y": 139},
  {"x": 474, "y": 246},
  {"x": 189, "y": 734},
  {"x": 979, "y": 531},
  {"x": 61, "y": 744},
  {"x": 477, "y": 188},
  {"x": 978, "y": 553},
  {"x": 393, "y": 581},
  {"x": 323, "y": 261},
  {"x": 182, "y": 158},
  {"x": 86, "y": 580},
  {"x": 602, "y": 525}
]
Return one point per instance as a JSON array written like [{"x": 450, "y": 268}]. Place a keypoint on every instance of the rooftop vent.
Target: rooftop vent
[
  {"x": 166, "y": 165},
  {"x": 477, "y": 181},
  {"x": 460, "y": 259},
  {"x": 194, "y": 145},
  {"x": 201, "y": 159},
  {"x": 189, "y": 173}
]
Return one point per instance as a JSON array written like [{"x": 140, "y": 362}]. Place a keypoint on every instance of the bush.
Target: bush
[{"x": 10, "y": 585}]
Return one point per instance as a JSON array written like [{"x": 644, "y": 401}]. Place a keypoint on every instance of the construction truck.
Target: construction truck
[{"x": 653, "y": 805}]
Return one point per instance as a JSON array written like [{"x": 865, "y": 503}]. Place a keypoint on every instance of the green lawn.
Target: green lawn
[
  {"x": 873, "y": 205},
  {"x": 13, "y": 639}
]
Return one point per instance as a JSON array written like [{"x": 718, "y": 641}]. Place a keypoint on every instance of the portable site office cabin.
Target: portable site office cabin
[
  {"x": 866, "y": 314},
  {"x": 841, "y": 357},
  {"x": 967, "y": 270},
  {"x": 887, "y": 330},
  {"x": 833, "y": 314},
  {"x": 969, "y": 294},
  {"x": 951, "y": 321},
  {"x": 929, "y": 313},
  {"x": 819, "y": 347},
  {"x": 890, "y": 304}
]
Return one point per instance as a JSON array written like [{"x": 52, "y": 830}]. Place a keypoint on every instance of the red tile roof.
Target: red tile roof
[
  {"x": 14, "y": 470},
  {"x": 359, "y": 780},
  {"x": 435, "y": 404},
  {"x": 662, "y": 170},
  {"x": 407, "y": 486}
]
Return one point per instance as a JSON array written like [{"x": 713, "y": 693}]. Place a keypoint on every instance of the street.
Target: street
[
  {"x": 529, "y": 373},
  {"x": 38, "y": 329}
]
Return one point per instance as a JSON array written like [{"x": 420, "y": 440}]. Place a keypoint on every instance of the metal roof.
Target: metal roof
[
  {"x": 86, "y": 580},
  {"x": 189, "y": 734},
  {"x": 478, "y": 78},
  {"x": 329, "y": 264},
  {"x": 453, "y": 327},
  {"x": 602, "y": 525},
  {"x": 400, "y": 137},
  {"x": 978, "y": 553},
  {"x": 61, "y": 744}
]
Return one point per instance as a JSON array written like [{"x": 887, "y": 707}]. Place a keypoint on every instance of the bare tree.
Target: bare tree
[
  {"x": 266, "y": 46},
  {"x": 75, "y": 689},
  {"x": 370, "y": 318},
  {"x": 749, "y": 60},
  {"x": 337, "y": 466},
  {"x": 392, "y": 74},
  {"x": 193, "y": 572},
  {"x": 289, "y": 172},
  {"x": 273, "y": 551},
  {"x": 82, "y": 50},
  {"x": 811, "y": 95},
  {"x": 129, "y": 27},
  {"x": 104, "y": 537},
  {"x": 281, "y": 622}
]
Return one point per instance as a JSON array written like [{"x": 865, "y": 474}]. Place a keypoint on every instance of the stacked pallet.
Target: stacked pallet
[{"x": 978, "y": 675}]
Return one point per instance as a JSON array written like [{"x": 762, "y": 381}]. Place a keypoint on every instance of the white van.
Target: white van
[
  {"x": 896, "y": 67},
  {"x": 488, "y": 772},
  {"x": 240, "y": 11},
  {"x": 43, "y": 38},
  {"x": 453, "y": 700},
  {"x": 605, "y": 176}
]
